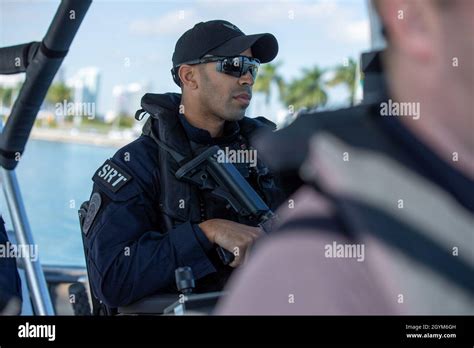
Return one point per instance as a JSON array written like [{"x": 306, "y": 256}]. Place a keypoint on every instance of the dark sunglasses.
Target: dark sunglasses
[{"x": 234, "y": 66}]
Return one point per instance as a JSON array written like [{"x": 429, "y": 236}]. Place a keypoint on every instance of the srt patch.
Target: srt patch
[
  {"x": 112, "y": 176},
  {"x": 92, "y": 210}
]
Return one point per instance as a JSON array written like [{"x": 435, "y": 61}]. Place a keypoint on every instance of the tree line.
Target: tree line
[
  {"x": 307, "y": 91},
  {"x": 310, "y": 89}
]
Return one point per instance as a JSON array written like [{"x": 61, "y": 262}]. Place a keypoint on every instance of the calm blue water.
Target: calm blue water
[{"x": 55, "y": 178}]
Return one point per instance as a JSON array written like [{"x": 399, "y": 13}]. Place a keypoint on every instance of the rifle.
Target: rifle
[{"x": 223, "y": 180}]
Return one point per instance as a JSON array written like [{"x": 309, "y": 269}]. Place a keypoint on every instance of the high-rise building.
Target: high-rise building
[
  {"x": 127, "y": 99},
  {"x": 85, "y": 86}
]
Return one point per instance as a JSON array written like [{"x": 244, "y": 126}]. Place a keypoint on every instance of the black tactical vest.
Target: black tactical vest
[{"x": 181, "y": 201}]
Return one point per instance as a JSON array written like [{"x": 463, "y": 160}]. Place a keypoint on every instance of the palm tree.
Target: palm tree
[
  {"x": 308, "y": 91},
  {"x": 57, "y": 93},
  {"x": 6, "y": 96},
  {"x": 268, "y": 75},
  {"x": 346, "y": 74}
]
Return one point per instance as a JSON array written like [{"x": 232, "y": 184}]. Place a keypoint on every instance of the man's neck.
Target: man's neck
[
  {"x": 199, "y": 119},
  {"x": 445, "y": 119},
  {"x": 438, "y": 128}
]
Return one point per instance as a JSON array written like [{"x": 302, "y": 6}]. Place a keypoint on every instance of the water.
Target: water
[{"x": 55, "y": 178}]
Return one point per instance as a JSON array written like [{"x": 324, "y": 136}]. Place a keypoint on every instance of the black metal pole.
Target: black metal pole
[{"x": 39, "y": 74}]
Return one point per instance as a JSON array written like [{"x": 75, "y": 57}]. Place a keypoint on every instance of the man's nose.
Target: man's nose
[{"x": 247, "y": 79}]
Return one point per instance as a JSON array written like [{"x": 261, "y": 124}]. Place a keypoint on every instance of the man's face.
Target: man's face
[{"x": 222, "y": 95}]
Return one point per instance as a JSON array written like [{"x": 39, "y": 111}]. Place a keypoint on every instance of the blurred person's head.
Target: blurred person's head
[
  {"x": 429, "y": 59},
  {"x": 212, "y": 86}
]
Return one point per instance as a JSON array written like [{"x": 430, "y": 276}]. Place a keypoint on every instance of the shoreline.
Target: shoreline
[{"x": 85, "y": 138}]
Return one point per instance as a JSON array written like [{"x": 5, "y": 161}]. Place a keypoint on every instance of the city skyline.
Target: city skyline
[{"x": 133, "y": 43}]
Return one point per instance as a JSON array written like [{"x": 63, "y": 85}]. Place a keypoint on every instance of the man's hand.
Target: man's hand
[{"x": 231, "y": 235}]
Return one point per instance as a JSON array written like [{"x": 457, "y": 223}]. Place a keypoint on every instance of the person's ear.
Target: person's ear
[
  {"x": 187, "y": 75},
  {"x": 412, "y": 27}
]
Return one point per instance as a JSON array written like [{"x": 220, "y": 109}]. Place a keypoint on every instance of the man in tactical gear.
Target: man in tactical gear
[
  {"x": 142, "y": 222},
  {"x": 384, "y": 222}
]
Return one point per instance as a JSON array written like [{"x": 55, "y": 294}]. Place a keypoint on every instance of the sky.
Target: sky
[{"x": 133, "y": 41}]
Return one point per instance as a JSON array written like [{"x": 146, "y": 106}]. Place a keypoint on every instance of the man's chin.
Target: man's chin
[{"x": 236, "y": 116}]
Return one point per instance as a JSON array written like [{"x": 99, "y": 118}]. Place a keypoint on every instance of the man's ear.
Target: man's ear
[
  {"x": 187, "y": 75},
  {"x": 413, "y": 27}
]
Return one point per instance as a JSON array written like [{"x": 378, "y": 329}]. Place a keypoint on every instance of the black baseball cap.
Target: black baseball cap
[{"x": 222, "y": 38}]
